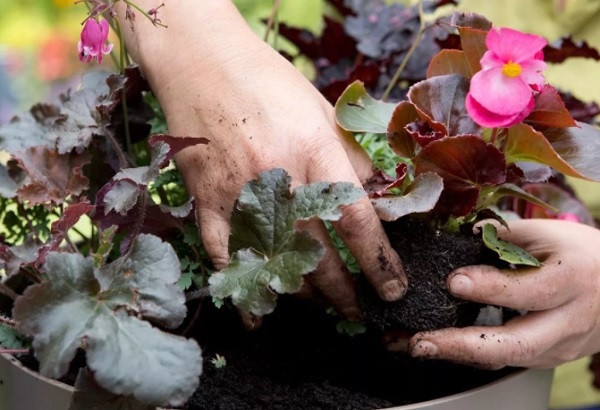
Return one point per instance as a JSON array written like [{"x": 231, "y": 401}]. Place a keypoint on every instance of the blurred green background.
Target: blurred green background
[{"x": 38, "y": 60}]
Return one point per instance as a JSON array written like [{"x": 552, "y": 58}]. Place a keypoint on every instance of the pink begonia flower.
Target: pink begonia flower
[
  {"x": 568, "y": 216},
  {"x": 93, "y": 41},
  {"x": 501, "y": 94}
]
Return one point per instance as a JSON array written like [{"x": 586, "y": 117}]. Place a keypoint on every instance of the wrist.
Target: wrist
[{"x": 202, "y": 37}]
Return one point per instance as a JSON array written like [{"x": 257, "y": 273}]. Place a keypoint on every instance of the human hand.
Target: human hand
[
  {"x": 260, "y": 113},
  {"x": 562, "y": 297}
]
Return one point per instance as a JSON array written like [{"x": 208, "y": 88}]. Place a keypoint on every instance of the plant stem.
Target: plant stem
[
  {"x": 272, "y": 19},
  {"x": 123, "y": 162},
  {"x": 13, "y": 351},
  {"x": 148, "y": 16},
  {"x": 123, "y": 91},
  {"x": 5, "y": 290},
  {"x": 141, "y": 217},
  {"x": 409, "y": 54},
  {"x": 197, "y": 294},
  {"x": 6, "y": 321}
]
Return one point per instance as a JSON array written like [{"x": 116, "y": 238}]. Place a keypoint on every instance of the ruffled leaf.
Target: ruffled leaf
[
  {"x": 82, "y": 304},
  {"x": 398, "y": 137},
  {"x": 420, "y": 196},
  {"x": 51, "y": 176},
  {"x": 89, "y": 395},
  {"x": 269, "y": 257}
]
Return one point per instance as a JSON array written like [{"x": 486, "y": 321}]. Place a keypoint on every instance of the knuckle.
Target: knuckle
[
  {"x": 521, "y": 351},
  {"x": 319, "y": 152},
  {"x": 355, "y": 218}
]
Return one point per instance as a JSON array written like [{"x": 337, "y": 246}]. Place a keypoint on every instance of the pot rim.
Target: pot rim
[
  {"x": 457, "y": 396},
  {"x": 16, "y": 362}
]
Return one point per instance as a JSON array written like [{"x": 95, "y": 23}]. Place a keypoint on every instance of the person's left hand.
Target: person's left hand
[{"x": 562, "y": 297}]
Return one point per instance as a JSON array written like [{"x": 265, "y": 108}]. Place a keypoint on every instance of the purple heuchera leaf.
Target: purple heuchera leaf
[
  {"x": 564, "y": 48},
  {"x": 122, "y": 192}
]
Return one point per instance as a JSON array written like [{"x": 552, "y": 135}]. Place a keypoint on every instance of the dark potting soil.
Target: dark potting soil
[
  {"x": 297, "y": 360},
  {"x": 428, "y": 256}
]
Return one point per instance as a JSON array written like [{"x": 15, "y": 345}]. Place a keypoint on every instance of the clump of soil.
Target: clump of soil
[
  {"x": 428, "y": 256},
  {"x": 297, "y": 360}
]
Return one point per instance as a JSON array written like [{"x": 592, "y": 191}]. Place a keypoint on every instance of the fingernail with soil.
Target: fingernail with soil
[
  {"x": 461, "y": 285},
  {"x": 424, "y": 348},
  {"x": 392, "y": 290},
  {"x": 398, "y": 345}
]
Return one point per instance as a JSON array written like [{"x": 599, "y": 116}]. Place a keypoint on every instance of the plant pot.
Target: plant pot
[{"x": 23, "y": 389}]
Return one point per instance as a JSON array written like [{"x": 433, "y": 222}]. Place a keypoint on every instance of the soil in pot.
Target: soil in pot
[
  {"x": 428, "y": 256},
  {"x": 297, "y": 359}
]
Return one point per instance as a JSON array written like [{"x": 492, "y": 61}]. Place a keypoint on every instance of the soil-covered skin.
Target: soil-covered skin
[
  {"x": 297, "y": 360},
  {"x": 428, "y": 256}
]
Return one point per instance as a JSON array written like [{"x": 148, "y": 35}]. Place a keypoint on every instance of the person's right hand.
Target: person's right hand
[{"x": 260, "y": 113}]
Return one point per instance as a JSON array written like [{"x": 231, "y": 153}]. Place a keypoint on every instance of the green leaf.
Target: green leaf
[
  {"x": 191, "y": 236},
  {"x": 10, "y": 338},
  {"x": 507, "y": 251},
  {"x": 268, "y": 256},
  {"x": 185, "y": 281},
  {"x": 350, "y": 328},
  {"x": 89, "y": 395},
  {"x": 491, "y": 195},
  {"x": 82, "y": 304},
  {"x": 105, "y": 246},
  {"x": 421, "y": 196},
  {"x": 357, "y": 111}
]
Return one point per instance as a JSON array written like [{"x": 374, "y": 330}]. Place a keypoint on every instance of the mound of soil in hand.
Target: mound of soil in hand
[
  {"x": 297, "y": 360},
  {"x": 428, "y": 256}
]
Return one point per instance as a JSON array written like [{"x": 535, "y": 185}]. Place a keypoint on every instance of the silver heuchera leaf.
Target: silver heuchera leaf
[
  {"x": 269, "y": 257},
  {"x": 89, "y": 395},
  {"x": 131, "y": 358},
  {"x": 151, "y": 268},
  {"x": 63, "y": 127},
  {"x": 82, "y": 304},
  {"x": 8, "y": 187}
]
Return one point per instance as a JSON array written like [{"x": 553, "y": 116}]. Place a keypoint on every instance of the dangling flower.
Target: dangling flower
[
  {"x": 501, "y": 94},
  {"x": 93, "y": 41},
  {"x": 569, "y": 216}
]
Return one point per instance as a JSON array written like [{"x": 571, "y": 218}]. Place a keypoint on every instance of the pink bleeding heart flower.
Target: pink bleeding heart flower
[
  {"x": 501, "y": 94},
  {"x": 93, "y": 41},
  {"x": 568, "y": 216}
]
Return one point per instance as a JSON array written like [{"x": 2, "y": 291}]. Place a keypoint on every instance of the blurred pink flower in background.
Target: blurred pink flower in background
[
  {"x": 93, "y": 41},
  {"x": 501, "y": 94}
]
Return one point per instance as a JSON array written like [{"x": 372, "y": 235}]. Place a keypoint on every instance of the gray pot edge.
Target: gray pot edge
[{"x": 24, "y": 389}]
